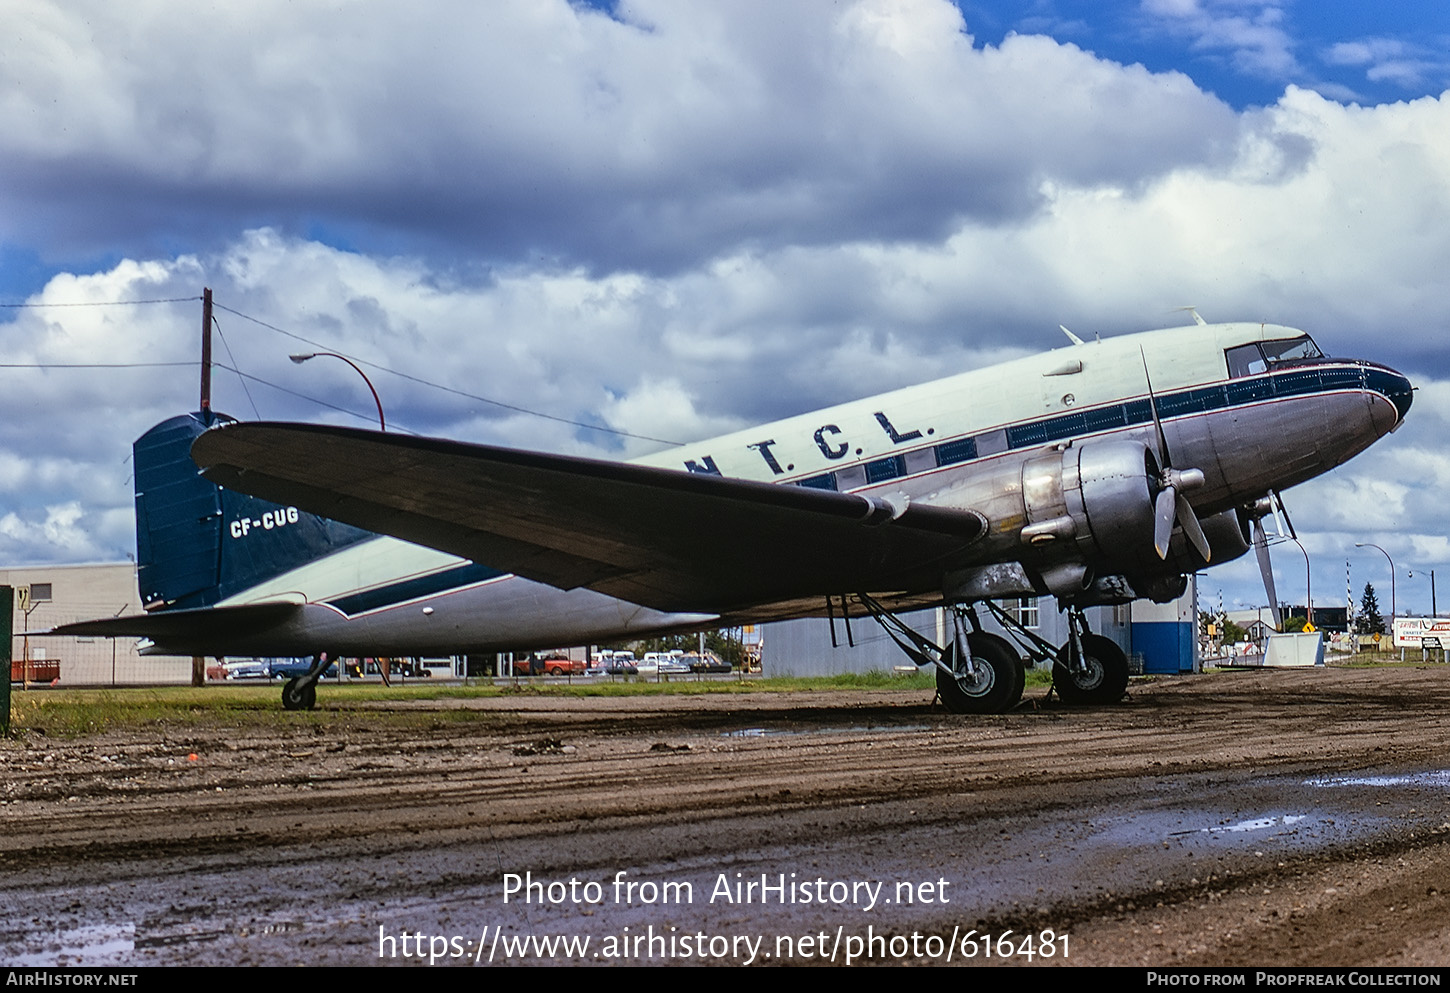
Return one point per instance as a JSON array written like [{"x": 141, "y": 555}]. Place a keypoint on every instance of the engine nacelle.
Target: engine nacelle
[
  {"x": 1228, "y": 538},
  {"x": 1081, "y": 518},
  {"x": 1091, "y": 504}
]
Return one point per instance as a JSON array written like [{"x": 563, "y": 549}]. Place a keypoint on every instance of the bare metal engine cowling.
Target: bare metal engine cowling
[
  {"x": 1088, "y": 508},
  {"x": 1086, "y": 516}
]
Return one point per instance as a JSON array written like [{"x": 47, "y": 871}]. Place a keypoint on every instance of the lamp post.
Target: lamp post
[
  {"x": 1308, "y": 587},
  {"x": 1366, "y": 544},
  {"x": 302, "y": 357}
]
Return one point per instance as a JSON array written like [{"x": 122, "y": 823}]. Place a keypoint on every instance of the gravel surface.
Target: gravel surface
[{"x": 1252, "y": 818}]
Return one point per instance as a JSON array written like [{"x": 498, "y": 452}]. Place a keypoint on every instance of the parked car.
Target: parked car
[
  {"x": 673, "y": 665},
  {"x": 561, "y": 665},
  {"x": 290, "y": 668},
  {"x": 617, "y": 667},
  {"x": 248, "y": 669},
  {"x": 709, "y": 662},
  {"x": 528, "y": 666}
]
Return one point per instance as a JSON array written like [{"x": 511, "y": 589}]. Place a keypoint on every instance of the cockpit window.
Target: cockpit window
[{"x": 1259, "y": 356}]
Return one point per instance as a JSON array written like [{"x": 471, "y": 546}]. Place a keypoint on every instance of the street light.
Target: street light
[
  {"x": 302, "y": 357},
  {"x": 1308, "y": 587},
  {"x": 1366, "y": 544}
]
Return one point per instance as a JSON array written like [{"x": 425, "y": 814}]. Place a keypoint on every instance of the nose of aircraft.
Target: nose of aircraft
[{"x": 1395, "y": 387}]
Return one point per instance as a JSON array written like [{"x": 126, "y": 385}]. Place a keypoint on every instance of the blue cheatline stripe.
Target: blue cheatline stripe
[
  {"x": 1219, "y": 396},
  {"x": 411, "y": 589}
]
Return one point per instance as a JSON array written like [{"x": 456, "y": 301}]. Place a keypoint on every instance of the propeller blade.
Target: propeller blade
[
  {"x": 1261, "y": 549},
  {"x": 1163, "y": 459},
  {"x": 1164, "y": 510},
  {"x": 1188, "y": 520}
]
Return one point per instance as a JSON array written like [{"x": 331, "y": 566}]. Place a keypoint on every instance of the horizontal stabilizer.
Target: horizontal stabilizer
[
  {"x": 186, "y": 627},
  {"x": 662, "y": 538}
]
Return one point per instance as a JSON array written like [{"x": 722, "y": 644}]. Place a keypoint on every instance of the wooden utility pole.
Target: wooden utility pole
[
  {"x": 206, "y": 354},
  {"x": 198, "y": 663}
]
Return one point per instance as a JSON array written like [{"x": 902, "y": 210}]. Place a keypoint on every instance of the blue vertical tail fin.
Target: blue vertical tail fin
[{"x": 198, "y": 544}]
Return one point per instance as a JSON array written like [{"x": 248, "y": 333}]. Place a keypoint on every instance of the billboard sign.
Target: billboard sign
[{"x": 1410, "y": 632}]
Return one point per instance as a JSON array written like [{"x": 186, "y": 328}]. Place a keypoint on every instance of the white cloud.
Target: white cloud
[
  {"x": 1250, "y": 31},
  {"x": 1410, "y": 65},
  {"x": 682, "y": 221},
  {"x": 656, "y": 140}
]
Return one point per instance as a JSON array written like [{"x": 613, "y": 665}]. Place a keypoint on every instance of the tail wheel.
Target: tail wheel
[
  {"x": 994, "y": 683},
  {"x": 1105, "y": 678},
  {"x": 299, "y": 695}
]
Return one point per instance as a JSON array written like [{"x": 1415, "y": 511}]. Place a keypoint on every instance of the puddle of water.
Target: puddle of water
[
  {"x": 90, "y": 945},
  {"x": 1439, "y": 777},
  {"x": 1244, "y": 827},
  {"x": 782, "y": 732},
  {"x": 1258, "y": 824}
]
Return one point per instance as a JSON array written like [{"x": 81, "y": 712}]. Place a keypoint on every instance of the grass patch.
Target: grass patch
[{"x": 64, "y": 713}]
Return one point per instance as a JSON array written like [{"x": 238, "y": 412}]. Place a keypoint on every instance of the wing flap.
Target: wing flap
[{"x": 658, "y": 537}]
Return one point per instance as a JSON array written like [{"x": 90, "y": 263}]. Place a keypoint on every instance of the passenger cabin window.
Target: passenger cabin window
[{"x": 1260, "y": 356}]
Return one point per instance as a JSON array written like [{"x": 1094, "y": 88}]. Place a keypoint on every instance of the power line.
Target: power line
[
  {"x": 99, "y": 303},
  {"x": 245, "y": 389},
  {"x": 446, "y": 389},
  {"x": 93, "y": 365}
]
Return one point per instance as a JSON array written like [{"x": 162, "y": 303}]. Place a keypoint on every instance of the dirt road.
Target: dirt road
[{"x": 1286, "y": 818}]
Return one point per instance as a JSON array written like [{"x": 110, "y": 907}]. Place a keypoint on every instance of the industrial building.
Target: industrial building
[
  {"x": 1157, "y": 638},
  {"x": 48, "y": 595}
]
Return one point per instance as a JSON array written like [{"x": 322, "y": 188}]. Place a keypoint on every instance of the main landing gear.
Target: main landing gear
[
  {"x": 300, "y": 692},
  {"x": 982, "y": 673},
  {"x": 1089, "y": 668}
]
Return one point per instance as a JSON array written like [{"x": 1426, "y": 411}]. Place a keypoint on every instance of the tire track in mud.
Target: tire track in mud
[{"x": 671, "y": 782}]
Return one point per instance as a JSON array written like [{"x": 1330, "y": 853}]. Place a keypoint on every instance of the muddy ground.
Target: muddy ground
[{"x": 1259, "y": 818}]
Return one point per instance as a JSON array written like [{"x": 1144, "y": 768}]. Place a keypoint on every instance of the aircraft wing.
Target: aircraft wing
[{"x": 661, "y": 538}]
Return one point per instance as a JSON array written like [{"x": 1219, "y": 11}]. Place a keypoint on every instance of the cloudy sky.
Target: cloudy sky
[{"x": 669, "y": 219}]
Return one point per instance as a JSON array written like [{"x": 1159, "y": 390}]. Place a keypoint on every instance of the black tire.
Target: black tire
[
  {"x": 997, "y": 684},
  {"x": 1106, "y": 679},
  {"x": 297, "y": 697}
]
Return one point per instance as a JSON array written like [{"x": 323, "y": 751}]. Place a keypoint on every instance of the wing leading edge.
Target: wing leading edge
[{"x": 670, "y": 540}]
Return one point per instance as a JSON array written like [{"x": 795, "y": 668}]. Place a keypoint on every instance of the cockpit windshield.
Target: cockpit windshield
[{"x": 1260, "y": 356}]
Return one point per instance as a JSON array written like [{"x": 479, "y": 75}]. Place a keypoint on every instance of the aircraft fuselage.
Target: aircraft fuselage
[{"x": 1056, "y": 453}]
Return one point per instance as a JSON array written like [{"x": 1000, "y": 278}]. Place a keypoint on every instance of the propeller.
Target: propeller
[
  {"x": 1271, "y": 504},
  {"x": 1261, "y": 549},
  {"x": 1171, "y": 505}
]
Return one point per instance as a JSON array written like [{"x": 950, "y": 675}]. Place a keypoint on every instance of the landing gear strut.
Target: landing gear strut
[
  {"x": 1089, "y": 668},
  {"x": 300, "y": 692},
  {"x": 977, "y": 673}
]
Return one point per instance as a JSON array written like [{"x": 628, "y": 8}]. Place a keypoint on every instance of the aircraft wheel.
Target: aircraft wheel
[
  {"x": 299, "y": 697},
  {"x": 1106, "y": 678},
  {"x": 994, "y": 686}
]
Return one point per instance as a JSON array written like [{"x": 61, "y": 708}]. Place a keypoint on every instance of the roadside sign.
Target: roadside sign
[
  {"x": 1309, "y": 628},
  {"x": 22, "y": 598},
  {"x": 1411, "y": 632}
]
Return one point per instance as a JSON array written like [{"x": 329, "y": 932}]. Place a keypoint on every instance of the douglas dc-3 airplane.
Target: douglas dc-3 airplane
[{"x": 1097, "y": 473}]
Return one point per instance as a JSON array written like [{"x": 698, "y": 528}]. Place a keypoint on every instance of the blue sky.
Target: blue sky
[
  {"x": 677, "y": 219},
  {"x": 1247, "y": 52}
]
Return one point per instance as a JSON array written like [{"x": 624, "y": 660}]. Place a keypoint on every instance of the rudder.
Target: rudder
[{"x": 197, "y": 543}]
